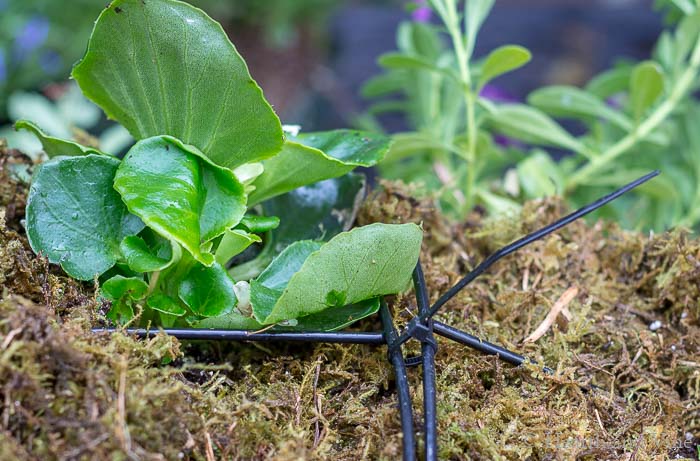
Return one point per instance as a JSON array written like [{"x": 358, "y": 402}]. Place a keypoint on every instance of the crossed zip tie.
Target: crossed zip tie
[{"x": 421, "y": 328}]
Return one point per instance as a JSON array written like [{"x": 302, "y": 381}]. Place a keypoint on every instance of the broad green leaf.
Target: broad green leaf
[
  {"x": 165, "y": 304},
  {"x": 123, "y": 292},
  {"x": 144, "y": 258},
  {"x": 267, "y": 288},
  {"x": 232, "y": 243},
  {"x": 164, "y": 67},
  {"x": 364, "y": 263},
  {"x": 531, "y": 125},
  {"x": 179, "y": 193},
  {"x": 572, "y": 102},
  {"x": 540, "y": 176},
  {"x": 318, "y": 211},
  {"x": 75, "y": 217},
  {"x": 502, "y": 60},
  {"x": 313, "y": 157},
  {"x": 330, "y": 319},
  {"x": 53, "y": 146},
  {"x": 208, "y": 291},
  {"x": 646, "y": 85}
]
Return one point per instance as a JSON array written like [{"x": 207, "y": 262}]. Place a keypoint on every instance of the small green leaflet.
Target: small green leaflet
[
  {"x": 646, "y": 85},
  {"x": 502, "y": 60},
  {"x": 123, "y": 293},
  {"x": 232, "y": 243}
]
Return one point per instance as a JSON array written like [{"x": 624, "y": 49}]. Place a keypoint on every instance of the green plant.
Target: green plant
[
  {"x": 635, "y": 117},
  {"x": 159, "y": 227},
  {"x": 441, "y": 95}
]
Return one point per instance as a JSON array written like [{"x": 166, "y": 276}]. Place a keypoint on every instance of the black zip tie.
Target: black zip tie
[
  {"x": 518, "y": 244},
  {"x": 428, "y": 351},
  {"x": 485, "y": 347},
  {"x": 404, "y": 394},
  {"x": 194, "y": 334}
]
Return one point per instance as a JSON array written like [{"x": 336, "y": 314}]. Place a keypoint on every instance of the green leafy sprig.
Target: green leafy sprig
[{"x": 636, "y": 117}]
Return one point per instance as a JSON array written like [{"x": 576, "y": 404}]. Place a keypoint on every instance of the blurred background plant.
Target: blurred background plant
[
  {"x": 312, "y": 55},
  {"x": 36, "y": 45},
  {"x": 40, "y": 40},
  {"x": 474, "y": 146}
]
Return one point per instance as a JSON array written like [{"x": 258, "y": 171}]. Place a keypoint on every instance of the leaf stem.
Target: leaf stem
[
  {"x": 658, "y": 116},
  {"x": 153, "y": 282},
  {"x": 448, "y": 11}
]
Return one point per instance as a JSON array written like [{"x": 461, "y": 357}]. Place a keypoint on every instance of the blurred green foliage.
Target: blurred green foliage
[
  {"x": 277, "y": 19},
  {"x": 69, "y": 116},
  {"x": 40, "y": 40},
  {"x": 629, "y": 120}
]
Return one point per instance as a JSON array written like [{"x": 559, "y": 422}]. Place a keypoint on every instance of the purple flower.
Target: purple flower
[
  {"x": 32, "y": 36},
  {"x": 3, "y": 68},
  {"x": 496, "y": 94},
  {"x": 422, "y": 12},
  {"x": 50, "y": 62}
]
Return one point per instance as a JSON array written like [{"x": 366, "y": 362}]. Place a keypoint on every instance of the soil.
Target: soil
[{"x": 625, "y": 349}]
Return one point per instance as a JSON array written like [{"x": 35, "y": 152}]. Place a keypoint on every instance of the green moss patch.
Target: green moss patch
[{"x": 631, "y": 332}]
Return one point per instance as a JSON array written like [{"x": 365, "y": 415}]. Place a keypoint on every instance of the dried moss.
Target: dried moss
[{"x": 68, "y": 394}]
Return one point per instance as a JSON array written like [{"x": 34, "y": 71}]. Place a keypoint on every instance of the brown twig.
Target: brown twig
[{"x": 556, "y": 309}]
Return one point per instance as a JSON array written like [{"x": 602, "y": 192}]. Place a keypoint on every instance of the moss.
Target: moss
[{"x": 66, "y": 393}]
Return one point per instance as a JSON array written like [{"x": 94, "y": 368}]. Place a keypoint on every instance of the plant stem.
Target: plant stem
[
  {"x": 658, "y": 116},
  {"x": 153, "y": 282},
  {"x": 452, "y": 23}
]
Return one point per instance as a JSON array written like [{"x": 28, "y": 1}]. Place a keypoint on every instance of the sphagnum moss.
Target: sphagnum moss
[{"x": 68, "y": 394}]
